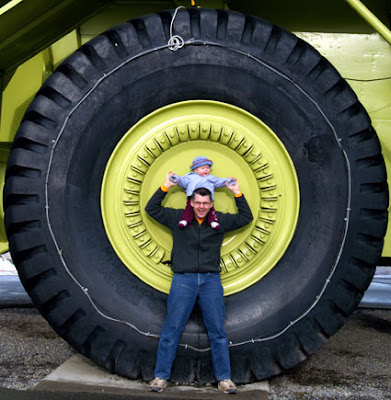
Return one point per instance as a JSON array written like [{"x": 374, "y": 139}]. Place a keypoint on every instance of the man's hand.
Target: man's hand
[
  {"x": 233, "y": 188},
  {"x": 169, "y": 183}
]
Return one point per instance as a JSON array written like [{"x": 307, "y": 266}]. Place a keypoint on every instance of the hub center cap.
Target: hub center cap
[{"x": 240, "y": 145}]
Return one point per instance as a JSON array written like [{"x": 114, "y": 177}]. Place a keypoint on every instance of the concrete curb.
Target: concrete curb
[{"x": 80, "y": 375}]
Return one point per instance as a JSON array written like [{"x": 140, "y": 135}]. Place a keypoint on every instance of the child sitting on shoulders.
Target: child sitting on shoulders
[{"x": 199, "y": 178}]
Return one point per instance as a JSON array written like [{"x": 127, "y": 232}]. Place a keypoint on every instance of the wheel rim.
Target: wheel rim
[{"x": 240, "y": 145}]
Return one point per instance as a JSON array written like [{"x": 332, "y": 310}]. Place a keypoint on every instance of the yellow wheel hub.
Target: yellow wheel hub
[{"x": 240, "y": 145}]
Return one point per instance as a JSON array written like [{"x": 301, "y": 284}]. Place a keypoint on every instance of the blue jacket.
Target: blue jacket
[{"x": 193, "y": 181}]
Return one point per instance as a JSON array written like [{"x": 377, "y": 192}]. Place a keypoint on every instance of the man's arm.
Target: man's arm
[
  {"x": 231, "y": 222},
  {"x": 164, "y": 215}
]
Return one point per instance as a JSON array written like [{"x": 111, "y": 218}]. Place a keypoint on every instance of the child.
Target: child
[{"x": 199, "y": 178}]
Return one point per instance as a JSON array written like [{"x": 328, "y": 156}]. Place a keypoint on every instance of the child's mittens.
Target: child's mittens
[{"x": 174, "y": 178}]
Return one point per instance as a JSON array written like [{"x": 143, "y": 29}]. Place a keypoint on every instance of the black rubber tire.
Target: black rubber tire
[{"x": 104, "y": 88}]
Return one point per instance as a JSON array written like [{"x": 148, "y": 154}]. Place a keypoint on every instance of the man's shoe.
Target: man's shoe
[
  {"x": 227, "y": 386},
  {"x": 157, "y": 385}
]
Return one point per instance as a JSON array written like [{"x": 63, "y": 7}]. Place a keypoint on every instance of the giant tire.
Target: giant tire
[{"x": 52, "y": 194}]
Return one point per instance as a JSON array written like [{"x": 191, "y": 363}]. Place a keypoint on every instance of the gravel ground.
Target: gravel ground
[
  {"x": 354, "y": 364},
  {"x": 29, "y": 348}
]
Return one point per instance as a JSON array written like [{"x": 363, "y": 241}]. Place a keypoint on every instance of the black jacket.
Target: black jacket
[{"x": 196, "y": 248}]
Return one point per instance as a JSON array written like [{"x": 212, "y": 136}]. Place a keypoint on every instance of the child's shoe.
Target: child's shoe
[
  {"x": 182, "y": 223},
  {"x": 215, "y": 225}
]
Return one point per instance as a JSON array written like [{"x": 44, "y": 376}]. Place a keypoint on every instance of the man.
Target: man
[{"x": 195, "y": 261}]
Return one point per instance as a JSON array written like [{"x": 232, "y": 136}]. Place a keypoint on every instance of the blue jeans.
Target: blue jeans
[{"x": 185, "y": 289}]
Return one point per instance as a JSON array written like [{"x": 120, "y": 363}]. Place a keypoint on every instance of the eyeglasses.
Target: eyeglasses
[{"x": 199, "y": 203}]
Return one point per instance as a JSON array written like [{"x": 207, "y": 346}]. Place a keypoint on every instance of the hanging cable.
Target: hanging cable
[{"x": 175, "y": 42}]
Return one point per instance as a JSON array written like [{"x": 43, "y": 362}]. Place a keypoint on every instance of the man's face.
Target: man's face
[
  {"x": 201, "y": 205},
  {"x": 203, "y": 171}
]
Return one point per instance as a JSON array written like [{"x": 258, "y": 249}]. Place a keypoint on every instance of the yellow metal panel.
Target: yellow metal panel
[
  {"x": 15, "y": 99},
  {"x": 31, "y": 25},
  {"x": 26, "y": 81},
  {"x": 3, "y": 236},
  {"x": 64, "y": 47},
  {"x": 9, "y": 5},
  {"x": 376, "y": 98},
  {"x": 383, "y": 128},
  {"x": 358, "y": 56},
  {"x": 18, "y": 94},
  {"x": 371, "y": 19},
  {"x": 315, "y": 15},
  {"x": 117, "y": 14},
  {"x": 365, "y": 61}
]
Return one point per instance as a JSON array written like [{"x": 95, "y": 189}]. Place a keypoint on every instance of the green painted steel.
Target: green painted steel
[
  {"x": 371, "y": 19},
  {"x": 37, "y": 35},
  {"x": 314, "y": 15},
  {"x": 241, "y": 146}
]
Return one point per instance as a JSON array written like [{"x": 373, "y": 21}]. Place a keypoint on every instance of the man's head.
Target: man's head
[
  {"x": 201, "y": 201},
  {"x": 201, "y": 165}
]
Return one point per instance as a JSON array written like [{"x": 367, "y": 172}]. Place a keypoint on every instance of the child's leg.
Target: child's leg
[
  {"x": 213, "y": 221},
  {"x": 187, "y": 215}
]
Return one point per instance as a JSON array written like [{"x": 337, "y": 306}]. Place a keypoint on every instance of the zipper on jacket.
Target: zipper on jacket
[{"x": 198, "y": 247}]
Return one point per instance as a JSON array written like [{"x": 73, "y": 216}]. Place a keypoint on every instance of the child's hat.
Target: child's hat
[{"x": 199, "y": 162}]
